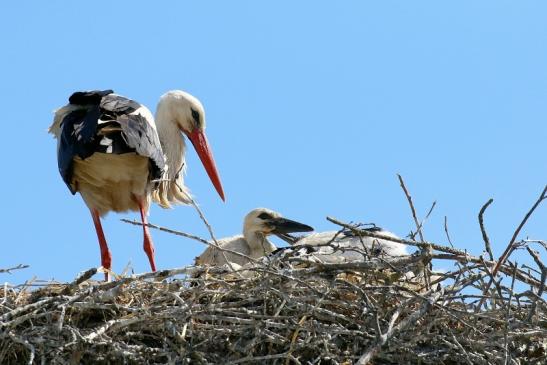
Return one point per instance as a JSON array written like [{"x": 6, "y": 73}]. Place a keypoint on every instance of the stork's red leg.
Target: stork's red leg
[
  {"x": 106, "y": 256},
  {"x": 148, "y": 244}
]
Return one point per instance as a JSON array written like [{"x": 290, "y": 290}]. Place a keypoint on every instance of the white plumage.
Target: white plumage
[
  {"x": 339, "y": 247},
  {"x": 257, "y": 225},
  {"x": 326, "y": 247},
  {"x": 118, "y": 158}
]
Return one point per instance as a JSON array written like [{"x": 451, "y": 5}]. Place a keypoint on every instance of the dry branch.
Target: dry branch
[
  {"x": 511, "y": 246},
  {"x": 10, "y": 269},
  {"x": 483, "y": 230}
]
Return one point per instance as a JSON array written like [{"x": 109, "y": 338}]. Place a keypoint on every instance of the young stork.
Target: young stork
[
  {"x": 110, "y": 151},
  {"x": 257, "y": 225},
  {"x": 340, "y": 247}
]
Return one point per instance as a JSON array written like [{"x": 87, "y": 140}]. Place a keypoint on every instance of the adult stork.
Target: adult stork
[
  {"x": 112, "y": 152},
  {"x": 258, "y": 224}
]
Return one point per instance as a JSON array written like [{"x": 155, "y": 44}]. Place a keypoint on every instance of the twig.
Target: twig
[
  {"x": 522, "y": 276},
  {"x": 294, "y": 337},
  {"x": 467, "y": 357},
  {"x": 510, "y": 247},
  {"x": 86, "y": 275},
  {"x": 489, "y": 274},
  {"x": 446, "y": 231},
  {"x": 261, "y": 359},
  {"x": 209, "y": 228},
  {"x": 112, "y": 324},
  {"x": 507, "y": 318},
  {"x": 168, "y": 230},
  {"x": 422, "y": 222},
  {"x": 17, "y": 311},
  {"x": 542, "y": 286},
  {"x": 426, "y": 250},
  {"x": 409, "y": 198},
  {"x": 30, "y": 347},
  {"x": 373, "y": 264},
  {"x": 9, "y": 270},
  {"x": 191, "y": 236},
  {"x": 424, "y": 244},
  {"x": 483, "y": 230},
  {"x": 372, "y": 350},
  {"x": 543, "y": 243}
]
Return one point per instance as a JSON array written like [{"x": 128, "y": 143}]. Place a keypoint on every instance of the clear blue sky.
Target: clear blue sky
[{"x": 312, "y": 109}]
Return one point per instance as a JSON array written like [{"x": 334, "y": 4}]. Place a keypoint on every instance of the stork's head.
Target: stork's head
[
  {"x": 187, "y": 114},
  {"x": 265, "y": 221}
]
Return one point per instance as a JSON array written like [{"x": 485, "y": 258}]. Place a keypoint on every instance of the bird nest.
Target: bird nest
[{"x": 287, "y": 311}]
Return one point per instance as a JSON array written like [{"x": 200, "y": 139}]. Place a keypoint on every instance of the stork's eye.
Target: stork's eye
[
  {"x": 195, "y": 115},
  {"x": 265, "y": 216}
]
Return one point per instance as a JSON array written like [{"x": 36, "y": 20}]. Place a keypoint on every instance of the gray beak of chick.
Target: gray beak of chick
[{"x": 282, "y": 226}]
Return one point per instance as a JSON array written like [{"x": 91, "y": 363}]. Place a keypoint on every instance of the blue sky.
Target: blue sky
[{"x": 312, "y": 109}]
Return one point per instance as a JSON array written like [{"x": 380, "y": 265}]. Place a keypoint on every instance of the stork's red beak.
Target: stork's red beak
[{"x": 199, "y": 140}]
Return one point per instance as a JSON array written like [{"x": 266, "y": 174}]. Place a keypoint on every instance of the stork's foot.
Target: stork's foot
[{"x": 106, "y": 262}]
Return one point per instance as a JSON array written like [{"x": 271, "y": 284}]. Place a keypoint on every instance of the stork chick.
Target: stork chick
[
  {"x": 257, "y": 225},
  {"x": 334, "y": 246}
]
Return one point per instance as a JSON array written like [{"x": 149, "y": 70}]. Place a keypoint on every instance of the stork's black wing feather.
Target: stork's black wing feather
[
  {"x": 118, "y": 105},
  {"x": 78, "y": 134},
  {"x": 139, "y": 135},
  {"x": 88, "y": 97},
  {"x": 106, "y": 123}
]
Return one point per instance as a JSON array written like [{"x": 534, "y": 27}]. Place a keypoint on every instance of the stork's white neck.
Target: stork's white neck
[
  {"x": 171, "y": 190},
  {"x": 174, "y": 114},
  {"x": 172, "y": 141},
  {"x": 259, "y": 244}
]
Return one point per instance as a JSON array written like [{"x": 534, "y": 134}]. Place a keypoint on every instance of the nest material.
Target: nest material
[{"x": 287, "y": 311}]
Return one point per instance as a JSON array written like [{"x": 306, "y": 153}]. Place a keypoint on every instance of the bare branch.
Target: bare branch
[
  {"x": 446, "y": 231},
  {"x": 411, "y": 204},
  {"x": 18, "y": 267},
  {"x": 371, "y": 351},
  {"x": 483, "y": 230},
  {"x": 543, "y": 269},
  {"x": 511, "y": 244},
  {"x": 191, "y": 236}
]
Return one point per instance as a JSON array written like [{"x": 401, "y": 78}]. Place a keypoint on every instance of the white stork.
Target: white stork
[
  {"x": 257, "y": 225},
  {"x": 112, "y": 152}
]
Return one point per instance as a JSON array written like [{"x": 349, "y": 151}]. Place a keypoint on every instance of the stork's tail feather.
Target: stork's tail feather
[{"x": 171, "y": 192}]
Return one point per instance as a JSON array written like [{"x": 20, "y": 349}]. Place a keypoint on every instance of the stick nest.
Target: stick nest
[{"x": 286, "y": 311}]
